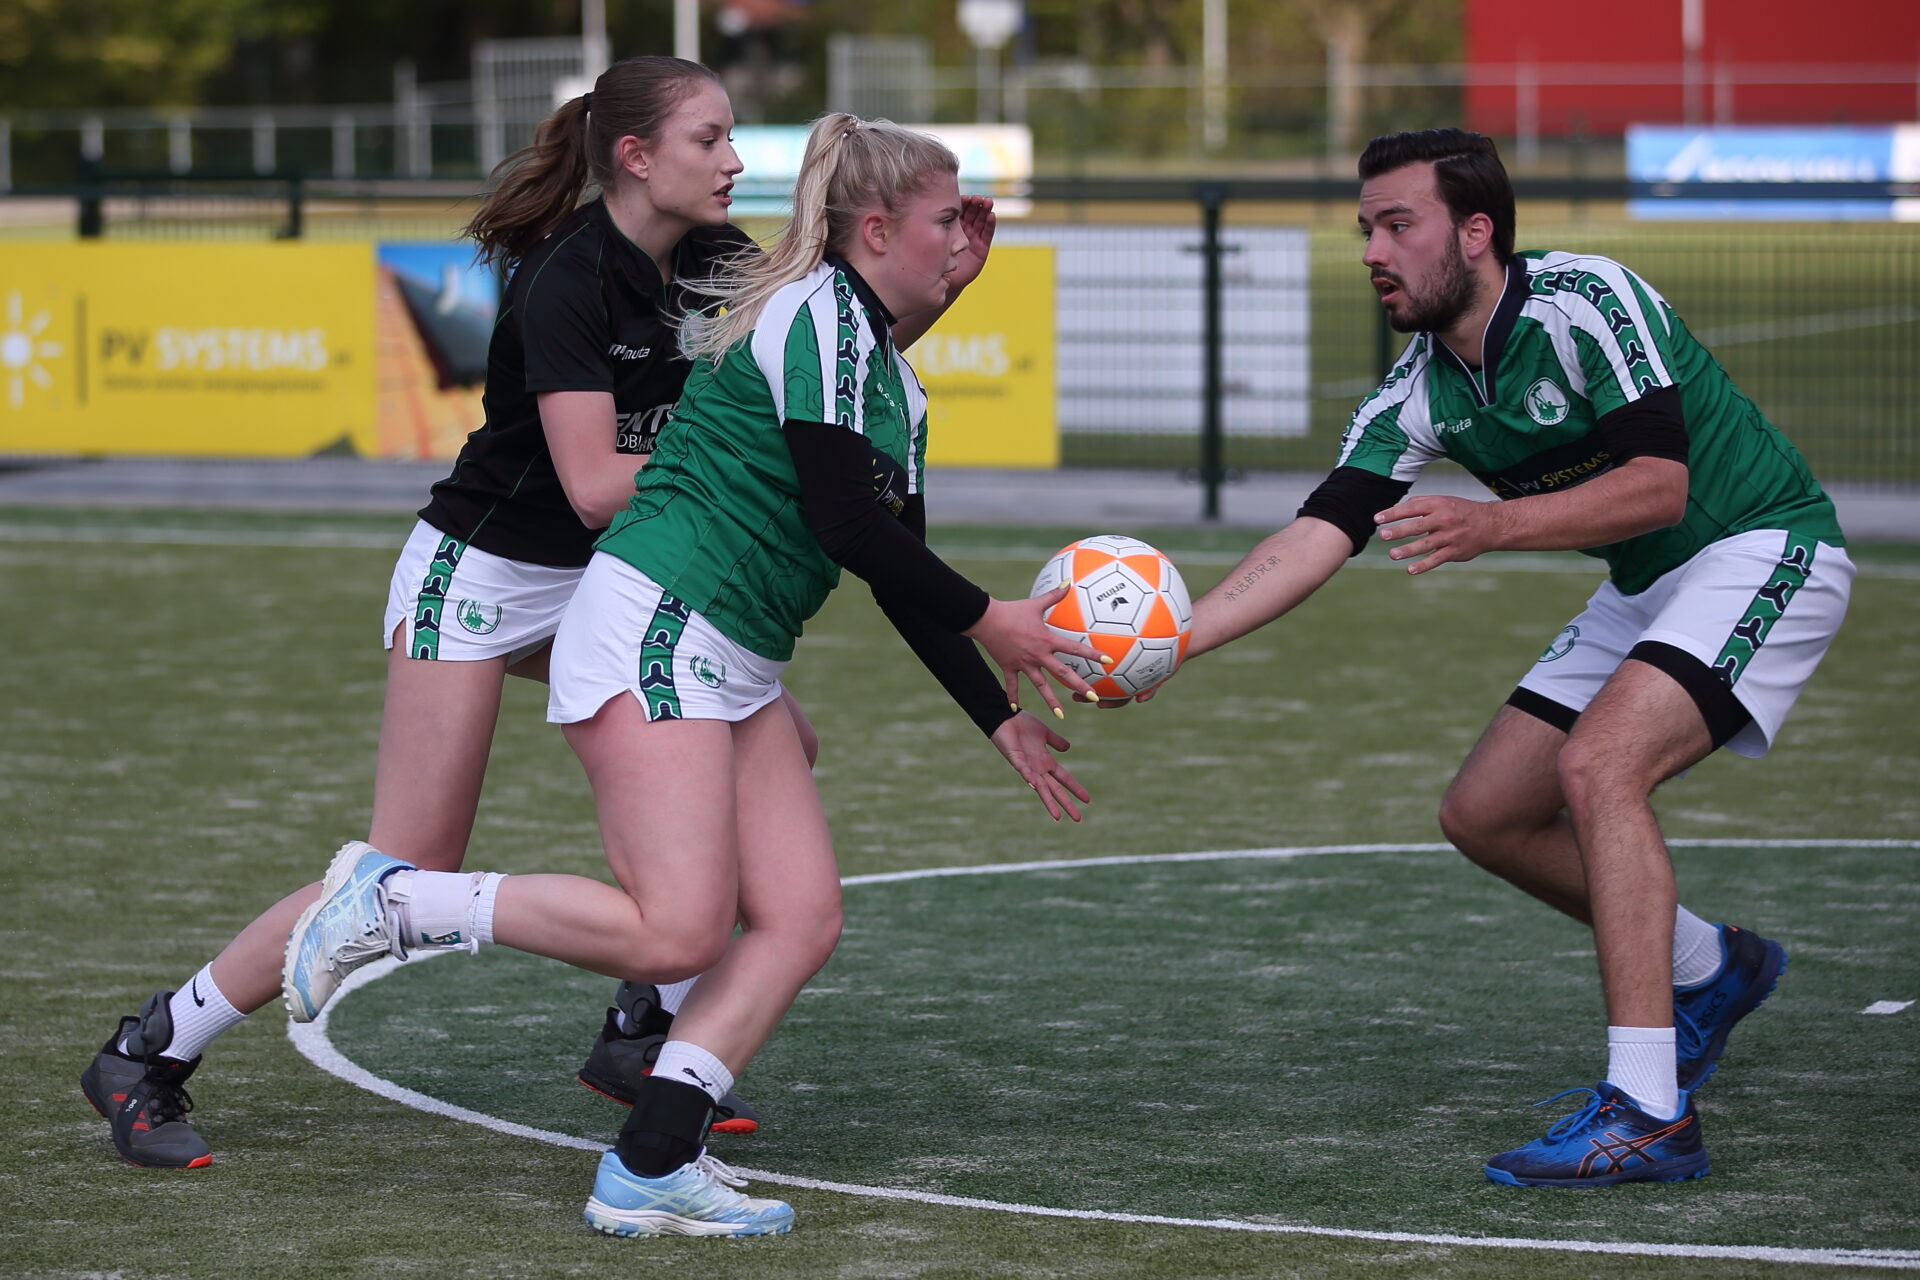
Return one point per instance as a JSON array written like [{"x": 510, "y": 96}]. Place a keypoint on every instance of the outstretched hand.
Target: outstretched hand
[
  {"x": 1016, "y": 636},
  {"x": 1028, "y": 743}
]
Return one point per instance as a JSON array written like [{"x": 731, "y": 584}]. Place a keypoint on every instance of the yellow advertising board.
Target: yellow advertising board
[
  {"x": 988, "y": 367},
  {"x": 233, "y": 350}
]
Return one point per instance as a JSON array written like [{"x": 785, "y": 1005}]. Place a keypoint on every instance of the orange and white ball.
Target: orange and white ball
[{"x": 1129, "y": 602}]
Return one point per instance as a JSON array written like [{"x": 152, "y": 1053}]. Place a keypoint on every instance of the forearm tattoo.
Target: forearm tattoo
[{"x": 1240, "y": 585}]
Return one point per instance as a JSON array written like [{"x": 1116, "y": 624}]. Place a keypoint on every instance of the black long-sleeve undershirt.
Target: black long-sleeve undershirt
[{"x": 857, "y": 505}]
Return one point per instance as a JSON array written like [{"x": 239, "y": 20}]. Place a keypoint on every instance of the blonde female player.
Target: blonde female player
[
  {"x": 582, "y": 369},
  {"x": 796, "y": 450}
]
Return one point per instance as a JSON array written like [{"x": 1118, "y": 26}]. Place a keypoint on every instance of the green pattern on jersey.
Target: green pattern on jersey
[
  {"x": 1589, "y": 337},
  {"x": 657, "y": 647},
  {"x": 1769, "y": 604},
  {"x": 806, "y": 399},
  {"x": 716, "y": 518},
  {"x": 1632, "y": 346},
  {"x": 883, "y": 404},
  {"x": 846, "y": 354},
  {"x": 430, "y": 606}
]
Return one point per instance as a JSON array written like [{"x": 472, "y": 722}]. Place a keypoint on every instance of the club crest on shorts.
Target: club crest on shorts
[
  {"x": 1546, "y": 403},
  {"x": 474, "y": 617},
  {"x": 1562, "y": 644},
  {"x": 707, "y": 671}
]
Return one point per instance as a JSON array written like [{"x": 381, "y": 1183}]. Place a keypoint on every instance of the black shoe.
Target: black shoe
[
  {"x": 140, "y": 1092},
  {"x": 1703, "y": 1015},
  {"x": 620, "y": 1060}
]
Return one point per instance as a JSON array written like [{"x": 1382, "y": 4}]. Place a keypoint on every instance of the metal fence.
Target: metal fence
[{"x": 1211, "y": 328}]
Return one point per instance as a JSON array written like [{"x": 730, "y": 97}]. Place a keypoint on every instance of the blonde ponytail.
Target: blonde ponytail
[{"x": 850, "y": 167}]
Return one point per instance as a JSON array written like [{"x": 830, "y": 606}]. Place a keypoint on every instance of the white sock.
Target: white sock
[
  {"x": 1698, "y": 951},
  {"x": 439, "y": 909},
  {"x": 674, "y": 994},
  {"x": 684, "y": 1062},
  {"x": 200, "y": 1012},
  {"x": 1640, "y": 1063}
]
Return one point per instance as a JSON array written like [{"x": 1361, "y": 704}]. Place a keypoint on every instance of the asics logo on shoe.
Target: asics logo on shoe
[
  {"x": 194, "y": 991},
  {"x": 1620, "y": 1152}
]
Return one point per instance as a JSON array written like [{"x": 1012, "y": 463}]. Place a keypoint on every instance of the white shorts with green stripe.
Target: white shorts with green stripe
[
  {"x": 623, "y": 634},
  {"x": 1756, "y": 610},
  {"x": 455, "y": 603}
]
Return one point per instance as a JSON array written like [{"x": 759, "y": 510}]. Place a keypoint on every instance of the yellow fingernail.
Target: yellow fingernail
[
  {"x": 1058, "y": 714},
  {"x": 1106, "y": 660},
  {"x": 1086, "y": 696},
  {"x": 1013, "y": 706}
]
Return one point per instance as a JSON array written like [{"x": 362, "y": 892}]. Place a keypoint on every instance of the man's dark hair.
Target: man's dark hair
[{"x": 1466, "y": 171}]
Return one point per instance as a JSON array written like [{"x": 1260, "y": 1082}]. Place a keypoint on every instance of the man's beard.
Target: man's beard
[{"x": 1451, "y": 296}]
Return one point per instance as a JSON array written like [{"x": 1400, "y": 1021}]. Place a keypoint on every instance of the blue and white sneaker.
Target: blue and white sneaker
[
  {"x": 1608, "y": 1141},
  {"x": 697, "y": 1199},
  {"x": 348, "y": 927},
  {"x": 1703, "y": 1015}
]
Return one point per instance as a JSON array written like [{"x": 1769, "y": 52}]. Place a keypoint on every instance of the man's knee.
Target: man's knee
[
  {"x": 1490, "y": 823},
  {"x": 1593, "y": 771}
]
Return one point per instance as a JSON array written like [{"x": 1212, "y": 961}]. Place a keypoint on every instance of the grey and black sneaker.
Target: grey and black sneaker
[
  {"x": 621, "y": 1059},
  {"x": 140, "y": 1092}
]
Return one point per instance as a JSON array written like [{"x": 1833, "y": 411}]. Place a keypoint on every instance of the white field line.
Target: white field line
[
  {"x": 1888, "y": 1006},
  {"x": 1512, "y": 562},
  {"x": 164, "y": 537},
  {"x": 312, "y": 1041},
  {"x": 1808, "y": 325}
]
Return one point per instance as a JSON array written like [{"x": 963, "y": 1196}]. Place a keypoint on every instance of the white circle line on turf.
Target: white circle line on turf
[{"x": 316, "y": 1046}]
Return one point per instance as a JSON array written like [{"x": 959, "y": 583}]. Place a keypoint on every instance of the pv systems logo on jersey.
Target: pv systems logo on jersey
[{"x": 1546, "y": 403}]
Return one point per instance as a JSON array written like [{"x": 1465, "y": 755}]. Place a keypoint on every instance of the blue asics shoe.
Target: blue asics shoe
[
  {"x": 697, "y": 1199},
  {"x": 1703, "y": 1015},
  {"x": 1605, "y": 1142},
  {"x": 348, "y": 927}
]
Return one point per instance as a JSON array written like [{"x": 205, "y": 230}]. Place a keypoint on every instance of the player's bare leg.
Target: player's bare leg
[
  {"x": 1505, "y": 811},
  {"x": 789, "y": 898},
  {"x": 1640, "y": 730}
]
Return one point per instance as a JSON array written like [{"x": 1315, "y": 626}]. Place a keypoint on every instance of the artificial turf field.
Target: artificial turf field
[{"x": 1318, "y": 1046}]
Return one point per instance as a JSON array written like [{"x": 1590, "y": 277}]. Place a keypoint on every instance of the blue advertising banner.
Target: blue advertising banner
[{"x": 1762, "y": 153}]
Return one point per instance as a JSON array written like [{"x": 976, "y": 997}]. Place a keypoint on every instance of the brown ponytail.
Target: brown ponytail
[{"x": 536, "y": 187}]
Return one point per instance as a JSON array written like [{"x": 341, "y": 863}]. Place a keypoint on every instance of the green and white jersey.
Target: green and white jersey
[
  {"x": 717, "y": 520},
  {"x": 1574, "y": 338}
]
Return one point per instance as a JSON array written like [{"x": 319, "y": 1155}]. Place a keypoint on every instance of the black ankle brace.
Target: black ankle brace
[{"x": 666, "y": 1128}]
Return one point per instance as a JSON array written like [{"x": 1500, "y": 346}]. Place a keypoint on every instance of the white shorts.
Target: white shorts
[
  {"x": 458, "y": 603},
  {"x": 1756, "y": 610},
  {"x": 622, "y": 634}
]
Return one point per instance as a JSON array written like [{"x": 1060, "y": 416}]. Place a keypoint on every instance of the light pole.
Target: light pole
[
  {"x": 686, "y": 29},
  {"x": 989, "y": 24},
  {"x": 1213, "y": 74}
]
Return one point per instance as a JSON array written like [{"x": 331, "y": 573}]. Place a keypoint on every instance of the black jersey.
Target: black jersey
[{"x": 585, "y": 311}]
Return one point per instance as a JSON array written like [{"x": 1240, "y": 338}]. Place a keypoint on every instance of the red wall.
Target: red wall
[{"x": 1841, "y": 42}]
